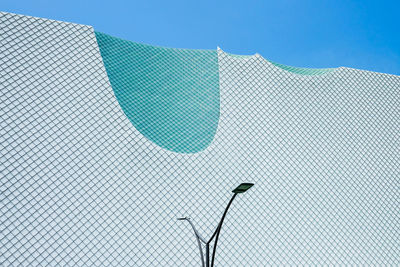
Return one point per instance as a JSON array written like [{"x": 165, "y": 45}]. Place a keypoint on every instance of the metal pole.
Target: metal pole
[
  {"x": 208, "y": 254},
  {"x": 218, "y": 230},
  {"x": 198, "y": 237},
  {"x": 201, "y": 251}
]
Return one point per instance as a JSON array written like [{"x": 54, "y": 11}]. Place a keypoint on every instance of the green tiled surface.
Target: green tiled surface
[
  {"x": 170, "y": 95},
  {"x": 303, "y": 71}
]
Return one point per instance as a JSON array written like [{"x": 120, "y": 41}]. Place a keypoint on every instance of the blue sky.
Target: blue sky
[{"x": 359, "y": 34}]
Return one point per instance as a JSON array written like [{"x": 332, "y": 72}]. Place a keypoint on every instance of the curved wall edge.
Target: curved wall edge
[{"x": 170, "y": 95}]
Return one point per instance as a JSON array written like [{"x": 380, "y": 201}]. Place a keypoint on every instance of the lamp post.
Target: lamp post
[{"x": 206, "y": 263}]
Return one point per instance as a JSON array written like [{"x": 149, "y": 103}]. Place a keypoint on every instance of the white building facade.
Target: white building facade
[{"x": 105, "y": 142}]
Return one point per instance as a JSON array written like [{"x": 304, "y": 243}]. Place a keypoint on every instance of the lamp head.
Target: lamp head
[{"x": 242, "y": 188}]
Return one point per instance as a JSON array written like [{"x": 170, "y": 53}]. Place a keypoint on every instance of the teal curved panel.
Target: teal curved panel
[
  {"x": 170, "y": 95},
  {"x": 303, "y": 71}
]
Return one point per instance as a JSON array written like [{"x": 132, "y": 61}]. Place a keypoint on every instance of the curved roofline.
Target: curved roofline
[{"x": 295, "y": 70}]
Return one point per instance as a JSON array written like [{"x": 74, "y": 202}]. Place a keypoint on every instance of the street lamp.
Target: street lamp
[{"x": 238, "y": 190}]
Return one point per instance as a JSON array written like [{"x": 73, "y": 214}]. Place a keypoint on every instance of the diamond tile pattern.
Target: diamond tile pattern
[
  {"x": 170, "y": 95},
  {"x": 323, "y": 151},
  {"x": 80, "y": 186}
]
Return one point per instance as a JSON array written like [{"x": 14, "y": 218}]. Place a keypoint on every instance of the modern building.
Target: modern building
[{"x": 105, "y": 142}]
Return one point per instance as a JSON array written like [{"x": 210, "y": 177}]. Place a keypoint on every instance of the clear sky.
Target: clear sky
[{"x": 363, "y": 34}]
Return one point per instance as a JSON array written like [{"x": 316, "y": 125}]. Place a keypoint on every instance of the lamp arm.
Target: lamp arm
[
  {"x": 218, "y": 230},
  {"x": 196, "y": 232},
  {"x": 222, "y": 219},
  {"x": 198, "y": 238}
]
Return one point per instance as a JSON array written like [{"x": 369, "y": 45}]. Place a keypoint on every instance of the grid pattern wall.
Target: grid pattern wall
[
  {"x": 81, "y": 186},
  {"x": 324, "y": 150}
]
